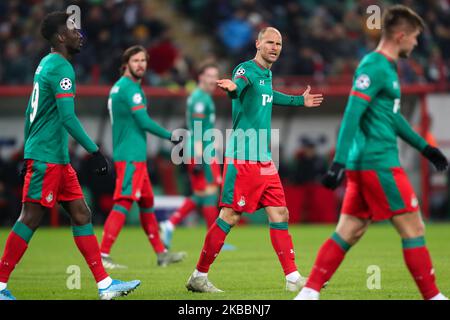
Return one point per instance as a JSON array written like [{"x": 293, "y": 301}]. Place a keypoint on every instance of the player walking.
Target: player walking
[
  {"x": 130, "y": 123},
  {"x": 251, "y": 180},
  {"x": 203, "y": 167},
  {"x": 377, "y": 185},
  {"x": 50, "y": 178}
]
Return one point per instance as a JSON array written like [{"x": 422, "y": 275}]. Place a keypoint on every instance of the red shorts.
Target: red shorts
[
  {"x": 132, "y": 181},
  {"x": 46, "y": 183},
  {"x": 209, "y": 175},
  {"x": 251, "y": 185},
  {"x": 378, "y": 194}
]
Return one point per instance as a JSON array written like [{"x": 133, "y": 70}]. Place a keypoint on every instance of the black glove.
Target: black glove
[
  {"x": 436, "y": 157},
  {"x": 197, "y": 169},
  {"x": 100, "y": 163},
  {"x": 334, "y": 176}
]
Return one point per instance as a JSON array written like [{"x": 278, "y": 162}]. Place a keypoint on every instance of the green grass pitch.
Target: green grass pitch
[{"x": 251, "y": 272}]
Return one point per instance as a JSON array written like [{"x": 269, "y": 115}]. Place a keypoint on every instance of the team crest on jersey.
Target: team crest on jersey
[
  {"x": 199, "y": 107},
  {"x": 138, "y": 194},
  {"x": 49, "y": 197},
  {"x": 137, "y": 98},
  {"x": 362, "y": 82},
  {"x": 240, "y": 71},
  {"x": 65, "y": 84},
  {"x": 241, "y": 202},
  {"x": 414, "y": 202}
]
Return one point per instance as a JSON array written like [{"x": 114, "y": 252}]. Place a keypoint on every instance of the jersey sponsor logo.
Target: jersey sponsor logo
[
  {"x": 65, "y": 84},
  {"x": 240, "y": 71},
  {"x": 266, "y": 98},
  {"x": 137, "y": 98},
  {"x": 241, "y": 202},
  {"x": 199, "y": 107},
  {"x": 362, "y": 82}
]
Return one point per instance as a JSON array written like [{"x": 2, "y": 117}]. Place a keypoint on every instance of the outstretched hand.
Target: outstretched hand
[
  {"x": 226, "y": 85},
  {"x": 312, "y": 100}
]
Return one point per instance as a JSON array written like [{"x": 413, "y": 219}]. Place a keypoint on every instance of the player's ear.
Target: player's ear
[{"x": 257, "y": 44}]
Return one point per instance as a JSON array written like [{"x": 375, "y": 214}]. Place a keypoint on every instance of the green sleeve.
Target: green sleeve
[
  {"x": 26, "y": 128},
  {"x": 405, "y": 132},
  {"x": 63, "y": 86},
  {"x": 282, "y": 99},
  {"x": 368, "y": 81},
  {"x": 148, "y": 124},
  {"x": 242, "y": 79},
  {"x": 66, "y": 110}
]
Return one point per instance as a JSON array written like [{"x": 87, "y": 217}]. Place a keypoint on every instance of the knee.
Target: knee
[
  {"x": 284, "y": 215},
  {"x": 229, "y": 216},
  {"x": 353, "y": 236},
  {"x": 82, "y": 216},
  {"x": 418, "y": 230}
]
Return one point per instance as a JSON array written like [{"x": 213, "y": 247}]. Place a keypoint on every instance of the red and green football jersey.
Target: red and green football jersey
[
  {"x": 50, "y": 114},
  {"x": 372, "y": 119},
  {"x": 252, "y": 112},
  {"x": 130, "y": 121},
  {"x": 200, "y": 113}
]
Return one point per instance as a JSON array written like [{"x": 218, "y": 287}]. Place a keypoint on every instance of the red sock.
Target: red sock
[
  {"x": 14, "y": 249},
  {"x": 419, "y": 264},
  {"x": 330, "y": 256},
  {"x": 282, "y": 244},
  {"x": 150, "y": 226},
  {"x": 213, "y": 244},
  {"x": 88, "y": 247},
  {"x": 210, "y": 215},
  {"x": 180, "y": 214},
  {"x": 114, "y": 224}
]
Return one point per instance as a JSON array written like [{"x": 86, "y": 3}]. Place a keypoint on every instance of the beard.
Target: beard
[
  {"x": 73, "y": 50},
  {"x": 135, "y": 75}
]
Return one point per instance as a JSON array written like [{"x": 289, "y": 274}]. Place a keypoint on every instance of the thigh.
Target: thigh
[
  {"x": 70, "y": 188},
  {"x": 32, "y": 214},
  {"x": 42, "y": 182},
  {"x": 389, "y": 193},
  {"x": 354, "y": 203},
  {"x": 242, "y": 186},
  {"x": 273, "y": 194},
  {"x": 129, "y": 179}
]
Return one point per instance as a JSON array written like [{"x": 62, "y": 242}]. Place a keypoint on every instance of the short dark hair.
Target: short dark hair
[
  {"x": 401, "y": 15},
  {"x": 52, "y": 22},
  {"x": 205, "y": 65},
  {"x": 128, "y": 53}
]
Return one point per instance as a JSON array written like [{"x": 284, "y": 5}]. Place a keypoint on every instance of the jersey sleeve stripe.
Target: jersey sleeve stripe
[
  {"x": 138, "y": 108},
  {"x": 64, "y": 95},
  {"x": 241, "y": 77},
  {"x": 360, "y": 95}
]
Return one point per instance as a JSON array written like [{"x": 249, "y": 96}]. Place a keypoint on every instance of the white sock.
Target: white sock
[
  {"x": 308, "y": 294},
  {"x": 197, "y": 273},
  {"x": 293, "y": 276},
  {"x": 170, "y": 225},
  {"x": 439, "y": 296},
  {"x": 3, "y": 286},
  {"x": 105, "y": 283},
  {"x": 104, "y": 255}
]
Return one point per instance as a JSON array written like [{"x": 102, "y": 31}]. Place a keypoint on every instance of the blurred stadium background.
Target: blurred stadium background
[{"x": 322, "y": 44}]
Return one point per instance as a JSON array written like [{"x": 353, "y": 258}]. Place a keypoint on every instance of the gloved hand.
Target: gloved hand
[
  {"x": 334, "y": 176},
  {"x": 100, "y": 163},
  {"x": 197, "y": 169},
  {"x": 436, "y": 157}
]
